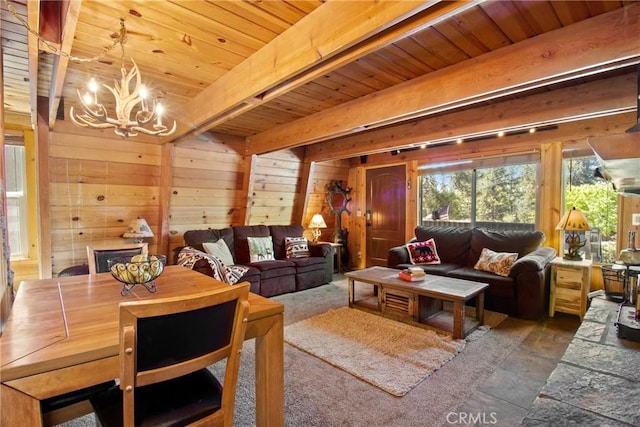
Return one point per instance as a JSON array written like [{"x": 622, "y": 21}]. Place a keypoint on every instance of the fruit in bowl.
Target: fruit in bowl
[{"x": 138, "y": 269}]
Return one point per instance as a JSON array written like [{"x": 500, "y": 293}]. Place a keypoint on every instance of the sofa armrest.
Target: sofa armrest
[
  {"x": 533, "y": 261},
  {"x": 320, "y": 249},
  {"x": 397, "y": 256}
]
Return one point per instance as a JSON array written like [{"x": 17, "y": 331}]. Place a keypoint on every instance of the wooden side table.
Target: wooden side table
[
  {"x": 338, "y": 251},
  {"x": 570, "y": 281}
]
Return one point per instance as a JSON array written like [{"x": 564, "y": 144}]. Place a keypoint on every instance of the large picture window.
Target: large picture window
[
  {"x": 495, "y": 197},
  {"x": 16, "y": 201}
]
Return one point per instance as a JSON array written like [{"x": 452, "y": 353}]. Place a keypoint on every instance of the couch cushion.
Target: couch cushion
[
  {"x": 423, "y": 252},
  {"x": 260, "y": 249},
  {"x": 240, "y": 234},
  {"x": 496, "y": 262},
  {"x": 452, "y": 242},
  {"x": 296, "y": 247},
  {"x": 521, "y": 242},
  {"x": 279, "y": 233},
  {"x": 231, "y": 274},
  {"x": 498, "y": 285},
  {"x": 219, "y": 249},
  {"x": 276, "y": 268},
  {"x": 195, "y": 238}
]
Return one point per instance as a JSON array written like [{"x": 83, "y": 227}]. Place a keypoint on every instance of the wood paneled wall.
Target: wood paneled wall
[
  {"x": 324, "y": 174},
  {"x": 207, "y": 186},
  {"x": 275, "y": 189},
  {"x": 98, "y": 183}
]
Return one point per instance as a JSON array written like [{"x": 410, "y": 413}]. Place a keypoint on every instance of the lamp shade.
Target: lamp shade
[
  {"x": 138, "y": 228},
  {"x": 317, "y": 222},
  {"x": 573, "y": 220}
]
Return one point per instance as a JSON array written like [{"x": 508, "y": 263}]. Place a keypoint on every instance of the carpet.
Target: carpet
[
  {"x": 388, "y": 354},
  {"x": 319, "y": 395}
]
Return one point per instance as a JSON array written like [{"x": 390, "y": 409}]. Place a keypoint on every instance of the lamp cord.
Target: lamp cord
[{"x": 120, "y": 40}]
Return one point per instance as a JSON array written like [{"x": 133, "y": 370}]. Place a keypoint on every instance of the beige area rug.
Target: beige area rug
[{"x": 388, "y": 354}]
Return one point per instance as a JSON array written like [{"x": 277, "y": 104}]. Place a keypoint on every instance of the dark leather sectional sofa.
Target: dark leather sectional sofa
[
  {"x": 523, "y": 293},
  {"x": 268, "y": 278}
]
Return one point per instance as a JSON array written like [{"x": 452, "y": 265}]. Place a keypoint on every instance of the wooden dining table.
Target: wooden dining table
[{"x": 62, "y": 335}]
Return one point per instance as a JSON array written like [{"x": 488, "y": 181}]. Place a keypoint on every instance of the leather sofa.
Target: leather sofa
[
  {"x": 523, "y": 293},
  {"x": 267, "y": 278}
]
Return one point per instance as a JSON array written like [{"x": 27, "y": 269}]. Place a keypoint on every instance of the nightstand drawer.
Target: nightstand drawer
[{"x": 568, "y": 277}]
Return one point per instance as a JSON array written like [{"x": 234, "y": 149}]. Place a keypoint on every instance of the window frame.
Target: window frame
[{"x": 474, "y": 165}]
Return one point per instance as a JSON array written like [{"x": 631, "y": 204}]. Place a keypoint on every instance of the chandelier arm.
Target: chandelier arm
[
  {"x": 169, "y": 132},
  {"x": 81, "y": 121},
  {"x": 150, "y": 116}
]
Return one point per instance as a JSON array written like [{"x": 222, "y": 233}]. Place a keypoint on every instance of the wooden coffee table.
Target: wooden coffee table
[{"x": 422, "y": 302}]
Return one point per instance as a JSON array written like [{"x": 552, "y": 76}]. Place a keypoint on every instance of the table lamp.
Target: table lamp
[
  {"x": 138, "y": 229},
  {"x": 573, "y": 220},
  {"x": 317, "y": 222}
]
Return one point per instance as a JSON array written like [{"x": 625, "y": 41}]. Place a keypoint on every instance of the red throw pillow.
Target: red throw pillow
[{"x": 423, "y": 252}]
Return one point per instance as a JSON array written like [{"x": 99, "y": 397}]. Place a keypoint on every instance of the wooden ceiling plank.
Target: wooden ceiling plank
[
  {"x": 608, "y": 40},
  {"x": 291, "y": 54},
  {"x": 60, "y": 62},
  {"x": 255, "y": 15},
  {"x": 600, "y": 97},
  {"x": 540, "y": 15},
  {"x": 225, "y": 18},
  {"x": 570, "y": 12},
  {"x": 439, "y": 46},
  {"x": 508, "y": 17}
]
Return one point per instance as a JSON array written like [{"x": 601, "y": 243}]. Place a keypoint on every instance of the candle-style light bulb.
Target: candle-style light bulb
[
  {"x": 93, "y": 87},
  {"x": 88, "y": 99},
  {"x": 143, "y": 95},
  {"x": 159, "y": 111}
]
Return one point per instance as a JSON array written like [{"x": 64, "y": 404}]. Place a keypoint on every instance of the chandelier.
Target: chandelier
[{"x": 147, "y": 117}]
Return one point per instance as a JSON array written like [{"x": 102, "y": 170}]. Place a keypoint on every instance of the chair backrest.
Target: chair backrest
[
  {"x": 170, "y": 337},
  {"x": 98, "y": 255}
]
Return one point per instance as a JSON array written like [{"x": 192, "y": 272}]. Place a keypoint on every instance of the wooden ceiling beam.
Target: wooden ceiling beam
[
  {"x": 60, "y": 62},
  {"x": 571, "y": 135},
  {"x": 605, "y": 42},
  {"x": 599, "y": 98},
  {"x": 303, "y": 46}
]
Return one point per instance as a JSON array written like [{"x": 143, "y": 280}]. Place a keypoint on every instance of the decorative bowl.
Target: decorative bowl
[{"x": 137, "y": 270}]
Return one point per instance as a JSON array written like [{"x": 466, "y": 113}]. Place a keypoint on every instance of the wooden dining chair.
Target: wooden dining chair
[
  {"x": 166, "y": 346},
  {"x": 98, "y": 255}
]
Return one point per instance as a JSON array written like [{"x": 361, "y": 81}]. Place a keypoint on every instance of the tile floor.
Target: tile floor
[{"x": 505, "y": 398}]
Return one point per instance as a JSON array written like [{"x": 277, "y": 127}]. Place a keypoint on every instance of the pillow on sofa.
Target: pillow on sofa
[
  {"x": 228, "y": 274},
  {"x": 260, "y": 249},
  {"x": 423, "y": 252},
  {"x": 219, "y": 249},
  {"x": 296, "y": 247},
  {"x": 496, "y": 262}
]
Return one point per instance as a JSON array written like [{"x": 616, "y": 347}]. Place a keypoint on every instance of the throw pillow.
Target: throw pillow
[
  {"x": 260, "y": 249},
  {"x": 296, "y": 247},
  {"x": 219, "y": 249},
  {"x": 228, "y": 274},
  {"x": 496, "y": 262},
  {"x": 423, "y": 252}
]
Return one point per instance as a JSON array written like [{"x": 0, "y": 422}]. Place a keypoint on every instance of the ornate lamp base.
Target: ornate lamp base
[{"x": 574, "y": 243}]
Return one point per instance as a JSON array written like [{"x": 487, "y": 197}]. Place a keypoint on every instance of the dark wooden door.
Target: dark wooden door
[{"x": 385, "y": 214}]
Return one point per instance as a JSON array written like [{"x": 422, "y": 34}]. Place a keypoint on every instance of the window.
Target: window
[
  {"x": 496, "y": 197},
  {"x": 597, "y": 199},
  {"x": 16, "y": 201}
]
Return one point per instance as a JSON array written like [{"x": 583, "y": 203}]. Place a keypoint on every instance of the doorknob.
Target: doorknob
[{"x": 367, "y": 216}]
